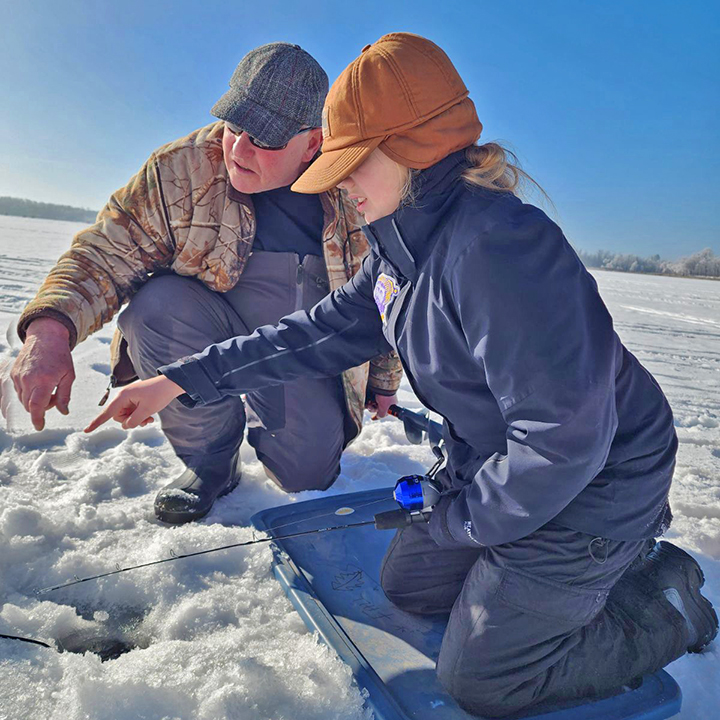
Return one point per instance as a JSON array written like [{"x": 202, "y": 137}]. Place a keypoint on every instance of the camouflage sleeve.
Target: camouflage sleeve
[
  {"x": 385, "y": 374},
  {"x": 108, "y": 261}
]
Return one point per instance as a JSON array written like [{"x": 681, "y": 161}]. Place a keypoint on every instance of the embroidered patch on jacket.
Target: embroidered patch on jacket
[{"x": 385, "y": 290}]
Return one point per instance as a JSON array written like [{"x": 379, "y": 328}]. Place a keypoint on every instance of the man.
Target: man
[{"x": 207, "y": 242}]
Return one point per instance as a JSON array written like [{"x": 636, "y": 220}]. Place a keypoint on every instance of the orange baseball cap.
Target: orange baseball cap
[{"x": 403, "y": 95}]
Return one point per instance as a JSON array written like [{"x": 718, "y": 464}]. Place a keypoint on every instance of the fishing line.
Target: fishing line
[
  {"x": 423, "y": 422},
  {"x": 174, "y": 557}
]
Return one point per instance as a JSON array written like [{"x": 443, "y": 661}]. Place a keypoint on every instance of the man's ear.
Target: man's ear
[{"x": 314, "y": 142}]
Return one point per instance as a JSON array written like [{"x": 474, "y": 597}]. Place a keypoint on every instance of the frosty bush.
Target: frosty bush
[{"x": 701, "y": 264}]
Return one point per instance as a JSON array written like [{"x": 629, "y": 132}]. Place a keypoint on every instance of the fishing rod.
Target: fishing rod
[
  {"x": 24, "y": 639},
  {"x": 389, "y": 520},
  {"x": 174, "y": 557},
  {"x": 415, "y": 494},
  {"x": 418, "y": 425}
]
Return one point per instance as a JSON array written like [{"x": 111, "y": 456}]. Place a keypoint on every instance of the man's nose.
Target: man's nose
[{"x": 241, "y": 147}]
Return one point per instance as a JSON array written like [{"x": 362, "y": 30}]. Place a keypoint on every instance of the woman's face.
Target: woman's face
[{"x": 376, "y": 186}]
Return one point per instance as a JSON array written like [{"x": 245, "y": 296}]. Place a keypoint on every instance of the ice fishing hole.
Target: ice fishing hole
[
  {"x": 106, "y": 647},
  {"x": 118, "y": 631}
]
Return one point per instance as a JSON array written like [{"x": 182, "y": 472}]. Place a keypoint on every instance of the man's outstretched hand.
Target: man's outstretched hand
[
  {"x": 135, "y": 404},
  {"x": 43, "y": 371}
]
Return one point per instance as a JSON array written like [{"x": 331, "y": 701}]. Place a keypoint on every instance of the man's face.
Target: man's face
[{"x": 252, "y": 170}]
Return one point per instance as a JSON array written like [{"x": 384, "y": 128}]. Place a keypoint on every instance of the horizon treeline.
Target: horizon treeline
[
  {"x": 700, "y": 264},
  {"x": 20, "y": 207}
]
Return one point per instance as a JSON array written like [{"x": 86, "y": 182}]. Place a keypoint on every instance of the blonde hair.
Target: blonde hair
[{"x": 492, "y": 167}]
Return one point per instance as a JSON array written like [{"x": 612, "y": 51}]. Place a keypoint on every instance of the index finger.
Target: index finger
[
  {"x": 103, "y": 417},
  {"x": 38, "y": 403}
]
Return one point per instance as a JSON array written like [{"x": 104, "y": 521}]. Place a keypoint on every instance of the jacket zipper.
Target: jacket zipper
[
  {"x": 113, "y": 384},
  {"x": 397, "y": 311}
]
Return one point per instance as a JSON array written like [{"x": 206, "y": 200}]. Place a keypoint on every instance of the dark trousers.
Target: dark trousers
[
  {"x": 296, "y": 428},
  {"x": 541, "y": 623}
]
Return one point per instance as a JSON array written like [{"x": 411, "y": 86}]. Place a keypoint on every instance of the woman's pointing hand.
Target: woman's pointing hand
[{"x": 135, "y": 404}]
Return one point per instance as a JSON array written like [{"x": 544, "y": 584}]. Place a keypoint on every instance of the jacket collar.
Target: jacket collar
[
  {"x": 440, "y": 177},
  {"x": 331, "y": 201},
  {"x": 406, "y": 238}
]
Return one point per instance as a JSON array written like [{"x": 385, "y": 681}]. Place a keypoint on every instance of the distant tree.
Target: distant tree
[
  {"x": 48, "y": 211},
  {"x": 700, "y": 264}
]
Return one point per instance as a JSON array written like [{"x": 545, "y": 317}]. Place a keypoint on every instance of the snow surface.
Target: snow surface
[{"x": 215, "y": 636}]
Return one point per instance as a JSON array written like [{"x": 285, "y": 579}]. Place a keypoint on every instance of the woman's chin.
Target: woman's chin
[
  {"x": 371, "y": 217},
  {"x": 372, "y": 214}
]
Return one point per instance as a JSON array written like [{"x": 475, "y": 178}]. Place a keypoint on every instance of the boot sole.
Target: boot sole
[
  {"x": 186, "y": 516},
  {"x": 699, "y": 611}
]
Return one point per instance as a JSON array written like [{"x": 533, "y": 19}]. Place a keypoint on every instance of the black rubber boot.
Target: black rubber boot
[
  {"x": 680, "y": 578},
  {"x": 191, "y": 496}
]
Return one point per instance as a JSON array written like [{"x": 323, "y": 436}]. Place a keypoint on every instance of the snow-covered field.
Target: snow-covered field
[{"x": 215, "y": 636}]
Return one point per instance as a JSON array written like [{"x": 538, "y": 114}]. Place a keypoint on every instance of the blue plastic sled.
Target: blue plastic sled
[{"x": 332, "y": 580}]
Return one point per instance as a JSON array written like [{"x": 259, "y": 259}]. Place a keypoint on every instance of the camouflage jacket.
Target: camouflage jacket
[{"x": 177, "y": 214}]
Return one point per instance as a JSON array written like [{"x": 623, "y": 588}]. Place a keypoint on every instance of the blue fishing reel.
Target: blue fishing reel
[{"x": 416, "y": 493}]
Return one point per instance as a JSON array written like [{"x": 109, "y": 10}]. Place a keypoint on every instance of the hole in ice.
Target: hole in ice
[
  {"x": 117, "y": 632},
  {"x": 106, "y": 647}
]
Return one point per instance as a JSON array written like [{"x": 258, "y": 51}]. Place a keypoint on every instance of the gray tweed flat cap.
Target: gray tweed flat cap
[{"x": 275, "y": 90}]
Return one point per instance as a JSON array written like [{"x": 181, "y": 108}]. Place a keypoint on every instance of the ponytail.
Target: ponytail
[{"x": 493, "y": 167}]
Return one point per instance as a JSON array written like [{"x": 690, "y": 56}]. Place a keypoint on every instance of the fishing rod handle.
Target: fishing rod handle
[{"x": 395, "y": 519}]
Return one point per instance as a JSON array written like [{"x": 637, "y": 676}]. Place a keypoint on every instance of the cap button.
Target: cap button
[{"x": 367, "y": 47}]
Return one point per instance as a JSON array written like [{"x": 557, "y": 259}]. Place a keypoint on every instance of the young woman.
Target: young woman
[{"x": 560, "y": 445}]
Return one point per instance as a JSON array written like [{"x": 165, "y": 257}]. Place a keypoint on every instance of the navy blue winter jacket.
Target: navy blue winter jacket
[{"x": 500, "y": 330}]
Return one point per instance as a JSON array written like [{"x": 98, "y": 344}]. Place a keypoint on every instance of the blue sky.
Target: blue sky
[{"x": 612, "y": 106}]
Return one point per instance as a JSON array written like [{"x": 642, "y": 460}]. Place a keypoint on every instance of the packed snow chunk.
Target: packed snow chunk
[
  {"x": 45, "y": 621},
  {"x": 97, "y": 443},
  {"x": 26, "y": 537},
  {"x": 703, "y": 420},
  {"x": 199, "y": 614},
  {"x": 20, "y": 520},
  {"x": 48, "y": 439},
  {"x": 268, "y": 683},
  {"x": 121, "y": 690},
  {"x": 8, "y": 470},
  {"x": 115, "y": 477},
  {"x": 179, "y": 494}
]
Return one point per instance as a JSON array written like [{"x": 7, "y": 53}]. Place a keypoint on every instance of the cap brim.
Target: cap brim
[
  {"x": 267, "y": 126},
  {"x": 334, "y": 166}
]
